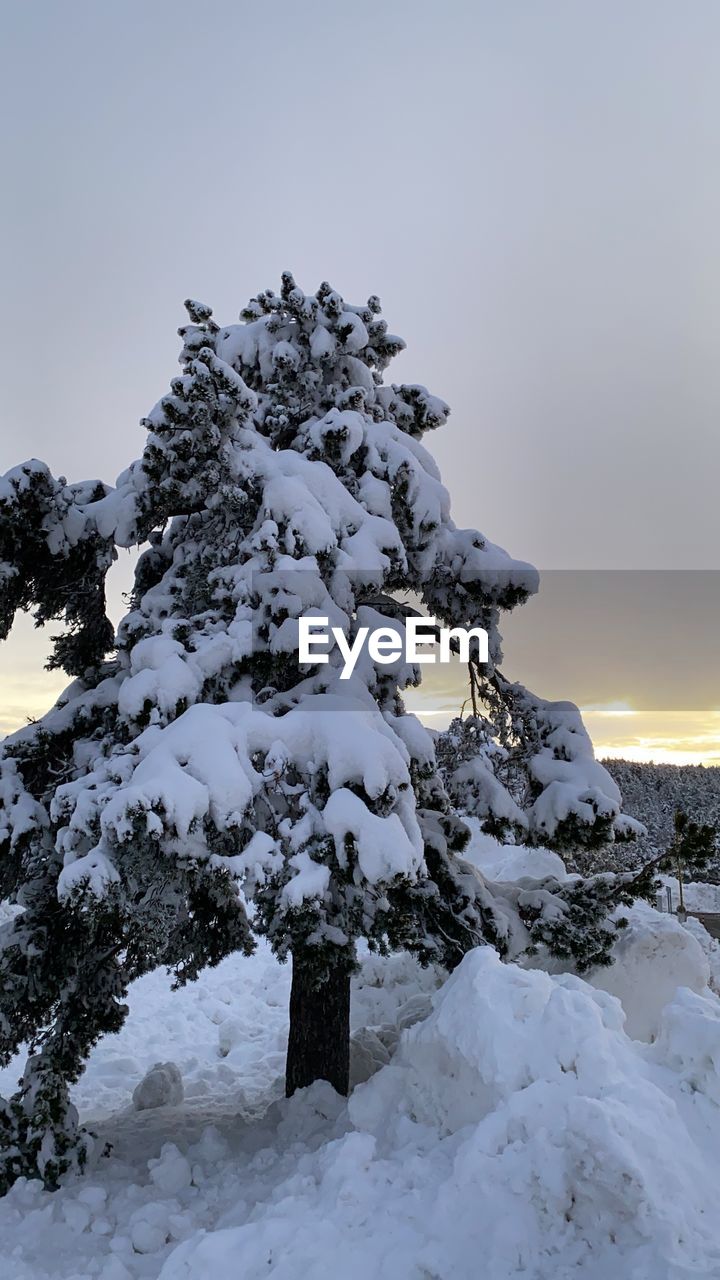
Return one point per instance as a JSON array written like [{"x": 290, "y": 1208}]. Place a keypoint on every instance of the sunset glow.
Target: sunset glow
[
  {"x": 660, "y": 736},
  {"x": 665, "y": 736}
]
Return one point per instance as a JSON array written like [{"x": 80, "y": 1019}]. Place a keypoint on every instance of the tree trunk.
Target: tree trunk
[
  {"x": 680, "y": 886},
  {"x": 319, "y": 1044}
]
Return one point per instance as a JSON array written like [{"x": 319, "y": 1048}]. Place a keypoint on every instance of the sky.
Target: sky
[{"x": 533, "y": 189}]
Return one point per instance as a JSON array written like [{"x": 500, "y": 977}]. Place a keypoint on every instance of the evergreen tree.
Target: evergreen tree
[
  {"x": 692, "y": 848},
  {"x": 653, "y": 793},
  {"x": 199, "y": 765},
  {"x": 526, "y": 768}
]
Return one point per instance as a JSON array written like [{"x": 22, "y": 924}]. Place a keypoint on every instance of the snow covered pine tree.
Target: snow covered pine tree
[{"x": 280, "y": 477}]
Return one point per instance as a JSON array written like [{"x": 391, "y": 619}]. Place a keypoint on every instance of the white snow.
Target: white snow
[
  {"x": 384, "y": 847},
  {"x": 161, "y": 1086},
  {"x": 697, "y": 896},
  {"x": 509, "y": 1127},
  {"x": 655, "y": 956},
  {"x": 510, "y": 861},
  {"x": 202, "y": 764},
  {"x": 512, "y": 1122}
]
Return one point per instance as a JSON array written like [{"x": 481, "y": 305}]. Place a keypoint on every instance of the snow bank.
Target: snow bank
[
  {"x": 494, "y": 1031},
  {"x": 710, "y": 948},
  {"x": 689, "y": 1042},
  {"x": 518, "y": 1132},
  {"x": 509, "y": 1127},
  {"x": 509, "y": 861},
  {"x": 654, "y": 957},
  {"x": 698, "y": 895}
]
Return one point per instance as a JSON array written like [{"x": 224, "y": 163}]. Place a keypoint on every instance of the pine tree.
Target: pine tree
[
  {"x": 194, "y": 763},
  {"x": 526, "y": 768},
  {"x": 653, "y": 793},
  {"x": 692, "y": 848}
]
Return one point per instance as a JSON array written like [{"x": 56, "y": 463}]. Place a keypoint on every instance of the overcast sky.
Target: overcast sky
[{"x": 533, "y": 188}]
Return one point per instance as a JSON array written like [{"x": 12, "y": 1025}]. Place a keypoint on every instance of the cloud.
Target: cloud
[{"x": 664, "y": 736}]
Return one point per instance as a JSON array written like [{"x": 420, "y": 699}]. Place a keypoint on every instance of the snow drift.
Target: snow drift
[{"x": 518, "y": 1131}]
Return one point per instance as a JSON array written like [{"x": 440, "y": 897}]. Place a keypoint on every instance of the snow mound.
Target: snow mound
[
  {"x": 162, "y": 1086},
  {"x": 697, "y": 894},
  {"x": 710, "y": 948},
  {"x": 503, "y": 862},
  {"x": 654, "y": 956},
  {"x": 367, "y": 1055},
  {"x": 689, "y": 1042},
  {"x": 495, "y": 1030},
  {"x": 517, "y": 1131}
]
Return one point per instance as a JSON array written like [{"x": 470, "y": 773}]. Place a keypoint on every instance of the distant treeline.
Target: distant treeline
[{"x": 652, "y": 793}]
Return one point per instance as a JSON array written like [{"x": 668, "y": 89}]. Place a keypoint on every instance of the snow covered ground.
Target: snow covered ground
[
  {"x": 516, "y": 1131},
  {"x": 698, "y": 897}
]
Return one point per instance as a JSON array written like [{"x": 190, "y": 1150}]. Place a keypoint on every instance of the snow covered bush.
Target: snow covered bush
[{"x": 194, "y": 764}]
